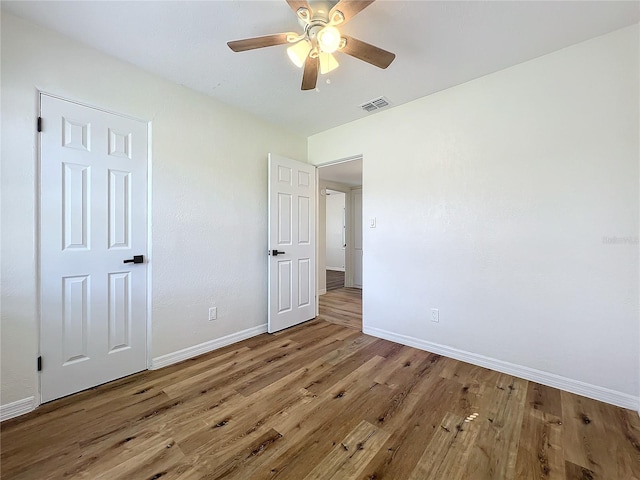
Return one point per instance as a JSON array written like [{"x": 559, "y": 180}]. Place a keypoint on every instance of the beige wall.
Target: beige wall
[
  {"x": 494, "y": 201},
  {"x": 209, "y": 187}
]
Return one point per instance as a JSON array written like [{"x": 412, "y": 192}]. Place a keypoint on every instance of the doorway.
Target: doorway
[{"x": 339, "y": 250}]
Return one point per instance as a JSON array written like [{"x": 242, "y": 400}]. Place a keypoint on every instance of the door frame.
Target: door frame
[
  {"x": 352, "y": 246},
  {"x": 38, "y": 219}
]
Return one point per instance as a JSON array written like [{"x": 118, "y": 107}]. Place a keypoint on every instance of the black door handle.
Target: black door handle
[
  {"x": 275, "y": 253},
  {"x": 135, "y": 259}
]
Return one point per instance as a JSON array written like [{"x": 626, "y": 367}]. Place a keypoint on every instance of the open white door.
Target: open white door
[
  {"x": 292, "y": 237},
  {"x": 93, "y": 246}
]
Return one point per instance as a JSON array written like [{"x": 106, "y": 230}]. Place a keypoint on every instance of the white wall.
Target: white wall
[
  {"x": 334, "y": 230},
  {"x": 494, "y": 197},
  {"x": 209, "y": 196}
]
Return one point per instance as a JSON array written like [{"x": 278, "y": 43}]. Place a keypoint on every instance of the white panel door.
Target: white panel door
[
  {"x": 356, "y": 196},
  {"x": 292, "y": 236},
  {"x": 93, "y": 217}
]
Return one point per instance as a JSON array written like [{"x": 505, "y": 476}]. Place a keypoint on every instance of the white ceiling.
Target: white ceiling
[
  {"x": 438, "y": 44},
  {"x": 347, "y": 173}
]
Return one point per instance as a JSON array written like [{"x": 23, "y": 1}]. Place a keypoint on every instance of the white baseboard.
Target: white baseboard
[
  {"x": 206, "y": 347},
  {"x": 15, "y": 409},
  {"x": 602, "y": 394},
  {"x": 322, "y": 292},
  {"x": 335, "y": 269}
]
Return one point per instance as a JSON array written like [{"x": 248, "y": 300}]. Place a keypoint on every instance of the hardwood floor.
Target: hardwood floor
[
  {"x": 342, "y": 306},
  {"x": 335, "y": 279},
  {"x": 322, "y": 401}
]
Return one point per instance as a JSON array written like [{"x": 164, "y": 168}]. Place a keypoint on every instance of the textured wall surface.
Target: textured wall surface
[
  {"x": 209, "y": 187},
  {"x": 499, "y": 202}
]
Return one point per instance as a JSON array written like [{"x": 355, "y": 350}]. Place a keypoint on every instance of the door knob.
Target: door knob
[
  {"x": 275, "y": 253},
  {"x": 135, "y": 259}
]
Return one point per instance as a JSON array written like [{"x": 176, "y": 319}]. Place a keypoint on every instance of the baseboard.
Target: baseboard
[
  {"x": 335, "y": 269},
  {"x": 322, "y": 292},
  {"x": 15, "y": 409},
  {"x": 552, "y": 380},
  {"x": 206, "y": 347}
]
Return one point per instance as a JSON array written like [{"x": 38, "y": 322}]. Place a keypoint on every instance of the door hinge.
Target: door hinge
[
  {"x": 39, "y": 124},
  {"x": 40, "y": 363}
]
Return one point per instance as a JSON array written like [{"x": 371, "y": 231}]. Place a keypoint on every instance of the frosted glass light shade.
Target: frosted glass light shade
[
  {"x": 298, "y": 52},
  {"x": 329, "y": 39}
]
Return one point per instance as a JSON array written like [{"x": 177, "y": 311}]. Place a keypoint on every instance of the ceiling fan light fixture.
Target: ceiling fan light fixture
[
  {"x": 311, "y": 50},
  {"x": 329, "y": 39},
  {"x": 328, "y": 63},
  {"x": 298, "y": 52}
]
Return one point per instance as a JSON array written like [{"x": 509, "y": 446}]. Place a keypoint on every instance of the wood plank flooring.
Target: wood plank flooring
[
  {"x": 322, "y": 401},
  {"x": 342, "y": 306},
  {"x": 335, "y": 279}
]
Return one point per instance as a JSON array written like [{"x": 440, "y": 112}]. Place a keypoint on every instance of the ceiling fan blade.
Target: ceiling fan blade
[
  {"x": 260, "y": 42},
  {"x": 350, "y": 8},
  {"x": 367, "y": 53},
  {"x": 310, "y": 75}
]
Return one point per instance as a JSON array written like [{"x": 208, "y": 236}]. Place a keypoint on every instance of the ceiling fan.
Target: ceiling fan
[{"x": 315, "y": 46}]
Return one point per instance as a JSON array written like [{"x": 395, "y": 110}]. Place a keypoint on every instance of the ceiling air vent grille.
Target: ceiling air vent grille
[{"x": 375, "y": 104}]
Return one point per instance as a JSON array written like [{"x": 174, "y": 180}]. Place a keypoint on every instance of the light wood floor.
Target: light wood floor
[
  {"x": 342, "y": 306},
  {"x": 322, "y": 401},
  {"x": 334, "y": 279}
]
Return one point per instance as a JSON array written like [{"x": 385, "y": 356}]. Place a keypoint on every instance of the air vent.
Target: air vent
[{"x": 375, "y": 104}]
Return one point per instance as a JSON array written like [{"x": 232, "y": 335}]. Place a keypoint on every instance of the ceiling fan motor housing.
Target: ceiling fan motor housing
[
  {"x": 313, "y": 29},
  {"x": 321, "y": 9}
]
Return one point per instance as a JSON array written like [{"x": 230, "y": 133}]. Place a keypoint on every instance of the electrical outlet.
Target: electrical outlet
[
  {"x": 435, "y": 315},
  {"x": 213, "y": 313}
]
